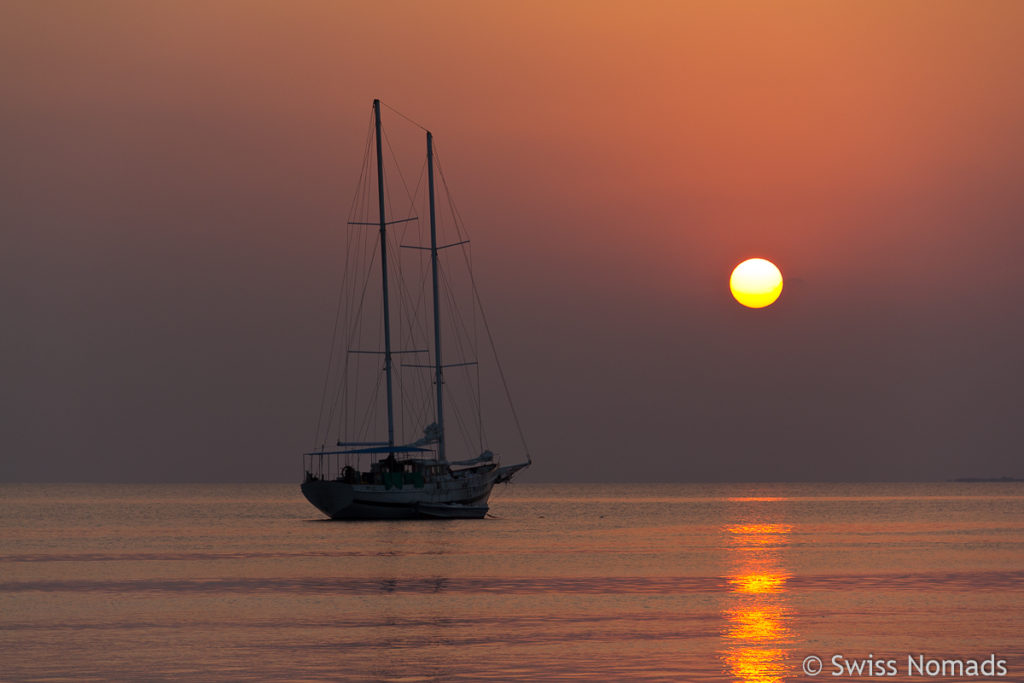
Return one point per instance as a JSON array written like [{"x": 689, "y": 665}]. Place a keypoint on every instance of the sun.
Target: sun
[{"x": 756, "y": 283}]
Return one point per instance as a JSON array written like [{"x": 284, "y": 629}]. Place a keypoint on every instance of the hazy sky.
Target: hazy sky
[{"x": 175, "y": 177}]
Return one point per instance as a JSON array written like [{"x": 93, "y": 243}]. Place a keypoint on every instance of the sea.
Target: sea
[{"x": 603, "y": 582}]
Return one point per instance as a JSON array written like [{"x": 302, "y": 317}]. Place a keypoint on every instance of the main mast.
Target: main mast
[
  {"x": 384, "y": 277},
  {"x": 438, "y": 370}
]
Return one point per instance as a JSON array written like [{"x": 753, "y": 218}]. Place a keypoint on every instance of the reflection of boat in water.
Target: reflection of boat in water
[
  {"x": 758, "y": 620},
  {"x": 374, "y": 477}
]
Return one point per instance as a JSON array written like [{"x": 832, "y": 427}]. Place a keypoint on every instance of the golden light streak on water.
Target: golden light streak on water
[
  {"x": 759, "y": 534},
  {"x": 758, "y": 665},
  {"x": 759, "y": 625},
  {"x": 759, "y": 583},
  {"x": 758, "y": 620}
]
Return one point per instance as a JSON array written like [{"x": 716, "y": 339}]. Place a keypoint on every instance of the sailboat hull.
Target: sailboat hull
[{"x": 462, "y": 497}]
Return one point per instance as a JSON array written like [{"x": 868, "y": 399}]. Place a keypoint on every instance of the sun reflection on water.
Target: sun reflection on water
[
  {"x": 757, "y": 665},
  {"x": 761, "y": 625},
  {"x": 757, "y": 620},
  {"x": 759, "y": 583},
  {"x": 759, "y": 534}
]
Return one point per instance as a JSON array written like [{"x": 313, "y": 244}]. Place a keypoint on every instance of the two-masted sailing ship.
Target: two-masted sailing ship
[{"x": 370, "y": 471}]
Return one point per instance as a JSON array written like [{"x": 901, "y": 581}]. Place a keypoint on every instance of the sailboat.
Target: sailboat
[{"x": 370, "y": 472}]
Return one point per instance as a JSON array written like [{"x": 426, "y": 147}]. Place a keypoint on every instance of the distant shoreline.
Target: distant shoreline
[{"x": 981, "y": 480}]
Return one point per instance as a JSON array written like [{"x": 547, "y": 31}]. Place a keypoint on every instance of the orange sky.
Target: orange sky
[{"x": 176, "y": 173}]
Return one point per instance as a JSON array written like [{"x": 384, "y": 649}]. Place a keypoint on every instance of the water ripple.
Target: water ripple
[{"x": 955, "y": 581}]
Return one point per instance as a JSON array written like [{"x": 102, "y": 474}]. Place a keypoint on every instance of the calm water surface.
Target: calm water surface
[{"x": 632, "y": 582}]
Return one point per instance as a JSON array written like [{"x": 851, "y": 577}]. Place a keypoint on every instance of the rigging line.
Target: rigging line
[
  {"x": 483, "y": 316},
  {"x": 456, "y": 216},
  {"x": 408, "y": 314},
  {"x": 472, "y": 340},
  {"x": 403, "y": 115},
  {"x": 497, "y": 363},
  {"x": 413, "y": 197},
  {"x": 357, "y": 317},
  {"x": 338, "y": 316},
  {"x": 398, "y": 168},
  {"x": 474, "y": 399},
  {"x": 371, "y": 410},
  {"x": 353, "y": 332},
  {"x": 346, "y": 413},
  {"x": 372, "y": 405},
  {"x": 356, "y": 250},
  {"x": 341, "y": 292},
  {"x": 412, "y": 308},
  {"x": 417, "y": 401},
  {"x": 330, "y": 360},
  {"x": 460, "y": 227},
  {"x": 404, "y": 297},
  {"x": 411, "y": 387},
  {"x": 419, "y": 304},
  {"x": 454, "y": 315},
  {"x": 365, "y": 166},
  {"x": 458, "y": 325},
  {"x": 387, "y": 196},
  {"x": 467, "y": 253},
  {"x": 463, "y": 430},
  {"x": 364, "y": 254},
  {"x": 459, "y": 328},
  {"x": 419, "y": 184},
  {"x": 408, "y": 305}
]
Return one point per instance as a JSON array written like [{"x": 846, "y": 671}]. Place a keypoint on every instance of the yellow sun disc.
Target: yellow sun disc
[{"x": 756, "y": 283}]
